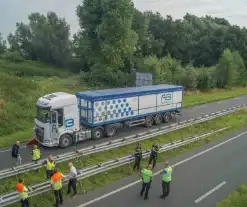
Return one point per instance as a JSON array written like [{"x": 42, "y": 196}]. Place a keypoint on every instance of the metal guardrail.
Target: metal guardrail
[
  {"x": 13, "y": 197},
  {"x": 119, "y": 142}
]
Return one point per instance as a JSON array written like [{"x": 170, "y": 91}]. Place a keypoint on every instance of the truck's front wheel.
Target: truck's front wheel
[
  {"x": 65, "y": 141},
  {"x": 97, "y": 133}
]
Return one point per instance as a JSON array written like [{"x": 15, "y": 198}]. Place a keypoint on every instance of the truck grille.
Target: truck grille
[{"x": 39, "y": 132}]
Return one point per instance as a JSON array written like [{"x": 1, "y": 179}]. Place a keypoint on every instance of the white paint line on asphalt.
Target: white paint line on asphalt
[
  {"x": 11, "y": 149},
  {"x": 201, "y": 106},
  {"x": 157, "y": 173},
  {"x": 220, "y": 102},
  {"x": 210, "y": 192}
]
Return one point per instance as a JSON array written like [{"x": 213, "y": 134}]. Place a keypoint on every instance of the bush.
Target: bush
[{"x": 30, "y": 68}]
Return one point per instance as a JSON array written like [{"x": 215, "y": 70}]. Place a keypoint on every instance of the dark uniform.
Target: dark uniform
[
  {"x": 154, "y": 154},
  {"x": 138, "y": 157}
]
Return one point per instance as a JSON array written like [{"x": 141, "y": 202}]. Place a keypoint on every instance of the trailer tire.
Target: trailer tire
[
  {"x": 65, "y": 141},
  {"x": 97, "y": 133},
  {"x": 157, "y": 119},
  {"x": 110, "y": 130},
  {"x": 167, "y": 117},
  {"x": 149, "y": 121}
]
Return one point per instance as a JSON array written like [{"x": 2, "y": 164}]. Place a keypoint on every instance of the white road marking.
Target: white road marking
[
  {"x": 157, "y": 173},
  {"x": 220, "y": 102},
  {"x": 201, "y": 106},
  {"x": 11, "y": 149},
  {"x": 210, "y": 192}
]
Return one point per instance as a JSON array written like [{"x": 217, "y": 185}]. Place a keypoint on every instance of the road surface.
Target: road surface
[
  {"x": 202, "y": 178},
  {"x": 186, "y": 114}
]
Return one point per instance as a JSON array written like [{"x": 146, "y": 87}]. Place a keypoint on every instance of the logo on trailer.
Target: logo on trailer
[
  {"x": 166, "y": 98},
  {"x": 69, "y": 122}
]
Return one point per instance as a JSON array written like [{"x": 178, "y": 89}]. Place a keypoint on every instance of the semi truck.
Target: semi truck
[{"x": 63, "y": 119}]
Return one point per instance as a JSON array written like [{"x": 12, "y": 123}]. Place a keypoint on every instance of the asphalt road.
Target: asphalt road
[
  {"x": 202, "y": 178},
  {"x": 5, "y": 153}
]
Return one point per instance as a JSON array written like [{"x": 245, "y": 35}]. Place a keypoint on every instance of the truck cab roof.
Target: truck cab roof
[{"x": 56, "y": 100}]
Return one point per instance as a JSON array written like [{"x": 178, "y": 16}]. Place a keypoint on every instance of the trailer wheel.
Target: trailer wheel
[
  {"x": 157, "y": 119},
  {"x": 65, "y": 141},
  {"x": 167, "y": 117},
  {"x": 149, "y": 121},
  {"x": 97, "y": 133},
  {"x": 110, "y": 130}
]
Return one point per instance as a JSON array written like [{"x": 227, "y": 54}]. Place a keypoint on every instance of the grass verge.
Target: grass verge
[
  {"x": 197, "y": 98},
  {"x": 236, "y": 199},
  {"x": 22, "y": 120},
  {"x": 235, "y": 121}
]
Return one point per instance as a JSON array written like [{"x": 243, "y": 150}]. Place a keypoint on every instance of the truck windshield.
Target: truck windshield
[{"x": 43, "y": 115}]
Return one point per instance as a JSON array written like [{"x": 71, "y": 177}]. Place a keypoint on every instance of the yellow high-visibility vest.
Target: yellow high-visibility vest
[
  {"x": 36, "y": 154},
  {"x": 24, "y": 194},
  {"x": 56, "y": 181},
  {"x": 50, "y": 165},
  {"x": 167, "y": 174}
]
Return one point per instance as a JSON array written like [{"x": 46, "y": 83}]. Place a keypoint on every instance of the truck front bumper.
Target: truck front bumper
[{"x": 47, "y": 143}]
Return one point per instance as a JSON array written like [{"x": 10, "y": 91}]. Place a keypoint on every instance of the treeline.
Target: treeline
[{"x": 115, "y": 40}]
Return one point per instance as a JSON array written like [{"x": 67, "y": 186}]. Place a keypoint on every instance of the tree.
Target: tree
[
  {"x": 3, "y": 45},
  {"x": 44, "y": 38},
  {"x": 106, "y": 37},
  {"x": 225, "y": 71},
  {"x": 239, "y": 66}
]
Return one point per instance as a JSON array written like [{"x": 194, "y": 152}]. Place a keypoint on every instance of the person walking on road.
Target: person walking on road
[
  {"x": 56, "y": 184},
  {"x": 166, "y": 180},
  {"x": 50, "y": 165},
  {"x": 23, "y": 193},
  {"x": 146, "y": 175},
  {"x": 35, "y": 154},
  {"x": 16, "y": 154},
  {"x": 138, "y": 156},
  {"x": 153, "y": 155},
  {"x": 72, "y": 179}
]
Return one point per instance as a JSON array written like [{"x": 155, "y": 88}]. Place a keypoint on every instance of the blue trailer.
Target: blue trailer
[{"x": 104, "y": 110}]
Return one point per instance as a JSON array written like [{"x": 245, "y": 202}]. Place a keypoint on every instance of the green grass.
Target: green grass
[
  {"x": 197, "y": 98},
  {"x": 235, "y": 121},
  {"x": 236, "y": 199}
]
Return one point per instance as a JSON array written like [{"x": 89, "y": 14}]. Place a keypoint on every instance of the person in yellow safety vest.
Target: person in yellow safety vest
[
  {"x": 50, "y": 165},
  {"x": 146, "y": 175},
  {"x": 166, "y": 180},
  {"x": 23, "y": 193},
  {"x": 35, "y": 154},
  {"x": 56, "y": 184}
]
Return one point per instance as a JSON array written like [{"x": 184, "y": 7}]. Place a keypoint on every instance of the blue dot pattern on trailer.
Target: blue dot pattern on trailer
[{"x": 113, "y": 109}]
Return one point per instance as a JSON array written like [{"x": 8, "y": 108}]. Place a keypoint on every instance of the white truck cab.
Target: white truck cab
[{"x": 57, "y": 119}]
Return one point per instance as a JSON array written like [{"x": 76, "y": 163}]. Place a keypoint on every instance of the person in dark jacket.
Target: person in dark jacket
[
  {"x": 16, "y": 153},
  {"x": 154, "y": 154},
  {"x": 138, "y": 156}
]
